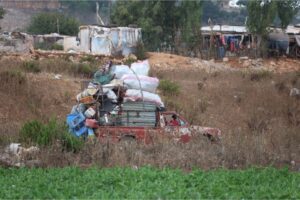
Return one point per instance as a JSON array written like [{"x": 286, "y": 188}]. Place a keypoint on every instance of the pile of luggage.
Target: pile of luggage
[{"x": 118, "y": 95}]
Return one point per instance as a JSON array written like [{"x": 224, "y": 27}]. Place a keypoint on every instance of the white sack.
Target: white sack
[
  {"x": 148, "y": 84},
  {"x": 110, "y": 94},
  {"x": 120, "y": 70},
  {"x": 141, "y": 68},
  {"x": 136, "y": 95}
]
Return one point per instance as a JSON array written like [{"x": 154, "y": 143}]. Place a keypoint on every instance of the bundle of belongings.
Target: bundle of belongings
[{"x": 118, "y": 95}]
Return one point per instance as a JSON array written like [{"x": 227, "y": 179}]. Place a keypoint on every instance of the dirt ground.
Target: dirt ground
[
  {"x": 282, "y": 65},
  {"x": 258, "y": 118}
]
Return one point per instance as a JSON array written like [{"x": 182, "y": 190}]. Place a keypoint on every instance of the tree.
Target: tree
[
  {"x": 45, "y": 23},
  {"x": 161, "y": 20},
  {"x": 287, "y": 10},
  {"x": 262, "y": 14}
]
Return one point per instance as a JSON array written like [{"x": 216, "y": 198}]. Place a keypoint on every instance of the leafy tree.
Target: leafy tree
[
  {"x": 287, "y": 10},
  {"x": 161, "y": 20},
  {"x": 263, "y": 13},
  {"x": 45, "y": 23}
]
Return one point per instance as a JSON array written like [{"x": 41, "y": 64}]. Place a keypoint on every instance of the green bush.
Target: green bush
[
  {"x": 168, "y": 87},
  {"x": 88, "y": 58},
  {"x": 48, "y": 46},
  {"x": 56, "y": 46},
  {"x": 31, "y": 66},
  {"x": 36, "y": 132},
  {"x": 84, "y": 69},
  {"x": 45, "y": 23},
  {"x": 129, "y": 61}
]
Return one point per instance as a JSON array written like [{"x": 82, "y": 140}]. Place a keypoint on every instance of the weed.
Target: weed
[
  {"x": 31, "y": 66},
  {"x": 169, "y": 88},
  {"x": 88, "y": 58},
  {"x": 259, "y": 75},
  {"x": 11, "y": 76},
  {"x": 128, "y": 61},
  {"x": 200, "y": 85}
]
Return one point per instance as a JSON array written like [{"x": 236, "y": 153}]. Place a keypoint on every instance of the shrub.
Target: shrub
[
  {"x": 14, "y": 76},
  {"x": 259, "y": 75},
  {"x": 45, "y": 23},
  {"x": 48, "y": 46},
  {"x": 31, "y": 66},
  {"x": 140, "y": 51},
  {"x": 128, "y": 61},
  {"x": 56, "y": 46},
  {"x": 86, "y": 69},
  {"x": 46, "y": 134},
  {"x": 88, "y": 58},
  {"x": 168, "y": 87}
]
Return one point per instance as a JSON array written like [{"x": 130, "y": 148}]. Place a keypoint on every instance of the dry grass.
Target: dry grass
[{"x": 260, "y": 122}]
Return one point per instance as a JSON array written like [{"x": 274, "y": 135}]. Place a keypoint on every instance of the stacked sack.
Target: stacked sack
[{"x": 105, "y": 95}]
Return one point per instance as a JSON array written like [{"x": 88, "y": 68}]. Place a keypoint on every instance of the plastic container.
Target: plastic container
[
  {"x": 80, "y": 131},
  {"x": 75, "y": 121},
  {"x": 91, "y": 123},
  {"x": 89, "y": 113}
]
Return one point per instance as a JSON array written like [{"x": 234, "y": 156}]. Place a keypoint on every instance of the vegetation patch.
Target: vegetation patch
[
  {"x": 38, "y": 133},
  {"x": 13, "y": 77},
  {"x": 259, "y": 75},
  {"x": 31, "y": 66},
  {"x": 148, "y": 183},
  {"x": 169, "y": 87}
]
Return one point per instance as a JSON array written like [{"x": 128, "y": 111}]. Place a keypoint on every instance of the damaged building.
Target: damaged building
[{"x": 104, "y": 40}]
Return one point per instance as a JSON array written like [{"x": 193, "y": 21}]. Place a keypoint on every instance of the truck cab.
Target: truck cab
[{"x": 182, "y": 132}]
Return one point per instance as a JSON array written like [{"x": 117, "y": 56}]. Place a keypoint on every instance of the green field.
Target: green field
[{"x": 148, "y": 183}]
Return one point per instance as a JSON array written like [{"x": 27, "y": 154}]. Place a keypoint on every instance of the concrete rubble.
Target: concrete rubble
[
  {"x": 15, "y": 155},
  {"x": 16, "y": 42}
]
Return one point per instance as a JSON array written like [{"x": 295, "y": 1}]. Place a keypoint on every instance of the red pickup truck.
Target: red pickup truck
[{"x": 182, "y": 132}]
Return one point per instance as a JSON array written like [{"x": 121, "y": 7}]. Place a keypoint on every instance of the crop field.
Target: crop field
[{"x": 147, "y": 182}]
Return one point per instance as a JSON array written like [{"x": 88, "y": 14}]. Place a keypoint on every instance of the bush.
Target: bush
[
  {"x": 46, "y": 134},
  {"x": 13, "y": 76},
  {"x": 168, "y": 87},
  {"x": 128, "y": 61},
  {"x": 56, "y": 46},
  {"x": 140, "y": 51},
  {"x": 31, "y": 66},
  {"x": 85, "y": 69},
  {"x": 48, "y": 46},
  {"x": 88, "y": 58}
]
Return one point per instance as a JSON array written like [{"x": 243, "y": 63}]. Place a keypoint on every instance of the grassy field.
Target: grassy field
[{"x": 146, "y": 183}]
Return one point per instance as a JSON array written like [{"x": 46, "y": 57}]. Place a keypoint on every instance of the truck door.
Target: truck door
[{"x": 176, "y": 126}]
